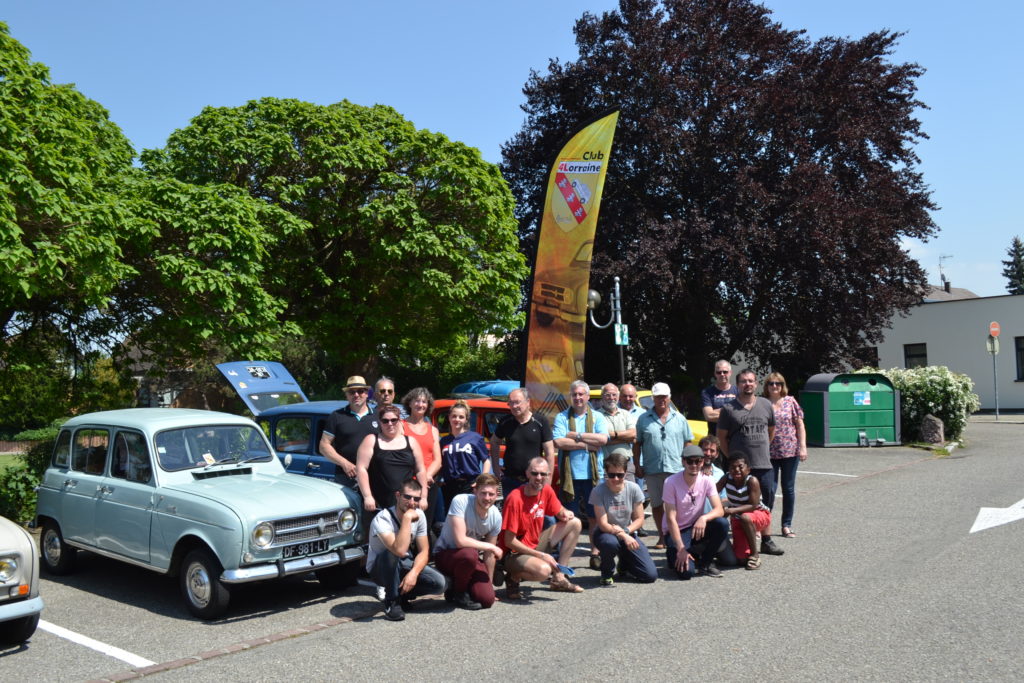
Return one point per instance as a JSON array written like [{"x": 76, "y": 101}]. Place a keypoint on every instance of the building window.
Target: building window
[
  {"x": 915, "y": 355},
  {"x": 1018, "y": 351}
]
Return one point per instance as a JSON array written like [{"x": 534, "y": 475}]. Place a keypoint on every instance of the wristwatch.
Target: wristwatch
[{"x": 579, "y": 437}]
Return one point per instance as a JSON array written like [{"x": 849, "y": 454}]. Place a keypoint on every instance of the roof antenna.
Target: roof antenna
[{"x": 942, "y": 274}]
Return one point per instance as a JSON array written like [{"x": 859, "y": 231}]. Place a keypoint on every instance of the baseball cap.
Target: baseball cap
[{"x": 660, "y": 389}]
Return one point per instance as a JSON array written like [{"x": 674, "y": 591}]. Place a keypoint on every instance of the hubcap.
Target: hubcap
[
  {"x": 198, "y": 582},
  {"x": 51, "y": 546}
]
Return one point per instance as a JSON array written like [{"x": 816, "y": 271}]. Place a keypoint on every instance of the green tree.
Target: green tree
[
  {"x": 758, "y": 190},
  {"x": 1013, "y": 268},
  {"x": 407, "y": 240},
  {"x": 60, "y": 159},
  {"x": 97, "y": 259}
]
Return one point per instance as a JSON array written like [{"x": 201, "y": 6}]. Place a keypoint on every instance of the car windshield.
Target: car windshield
[{"x": 181, "y": 449}]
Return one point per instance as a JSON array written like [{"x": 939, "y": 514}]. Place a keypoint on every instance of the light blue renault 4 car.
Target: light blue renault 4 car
[{"x": 192, "y": 493}]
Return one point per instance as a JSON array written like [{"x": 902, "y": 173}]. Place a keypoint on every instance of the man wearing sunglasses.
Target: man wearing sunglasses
[
  {"x": 692, "y": 535},
  {"x": 525, "y": 541},
  {"x": 722, "y": 391},
  {"x": 399, "y": 552},
  {"x": 346, "y": 428},
  {"x": 384, "y": 395},
  {"x": 661, "y": 434}
]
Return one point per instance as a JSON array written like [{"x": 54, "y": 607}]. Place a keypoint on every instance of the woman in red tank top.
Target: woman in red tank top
[{"x": 419, "y": 403}]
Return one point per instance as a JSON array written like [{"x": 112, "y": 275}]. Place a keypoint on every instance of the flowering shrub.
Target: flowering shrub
[{"x": 947, "y": 395}]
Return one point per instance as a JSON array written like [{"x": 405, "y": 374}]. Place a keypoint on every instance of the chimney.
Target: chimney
[{"x": 945, "y": 286}]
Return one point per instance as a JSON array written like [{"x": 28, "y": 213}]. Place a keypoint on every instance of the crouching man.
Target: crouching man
[
  {"x": 524, "y": 539},
  {"x": 399, "y": 551},
  {"x": 466, "y": 549}
]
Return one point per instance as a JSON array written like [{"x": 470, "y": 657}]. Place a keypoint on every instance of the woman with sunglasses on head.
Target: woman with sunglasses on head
[
  {"x": 464, "y": 454},
  {"x": 789, "y": 447},
  {"x": 386, "y": 460},
  {"x": 419, "y": 404}
]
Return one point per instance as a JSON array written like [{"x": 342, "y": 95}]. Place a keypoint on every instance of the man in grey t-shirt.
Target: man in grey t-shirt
[
  {"x": 619, "y": 509},
  {"x": 399, "y": 552},
  {"x": 466, "y": 550},
  {"x": 747, "y": 425}
]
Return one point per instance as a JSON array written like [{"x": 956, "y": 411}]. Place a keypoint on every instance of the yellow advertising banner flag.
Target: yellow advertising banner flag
[{"x": 561, "y": 272}]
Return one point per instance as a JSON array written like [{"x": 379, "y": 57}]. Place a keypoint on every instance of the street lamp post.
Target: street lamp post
[{"x": 593, "y": 301}]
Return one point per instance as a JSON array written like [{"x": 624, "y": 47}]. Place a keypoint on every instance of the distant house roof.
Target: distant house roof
[{"x": 948, "y": 293}]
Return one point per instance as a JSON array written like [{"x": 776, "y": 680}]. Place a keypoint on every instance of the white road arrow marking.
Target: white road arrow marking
[{"x": 990, "y": 517}]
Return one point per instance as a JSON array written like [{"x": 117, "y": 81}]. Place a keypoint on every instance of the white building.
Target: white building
[{"x": 951, "y": 331}]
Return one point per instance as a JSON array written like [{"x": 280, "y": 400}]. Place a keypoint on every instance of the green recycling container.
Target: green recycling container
[{"x": 851, "y": 410}]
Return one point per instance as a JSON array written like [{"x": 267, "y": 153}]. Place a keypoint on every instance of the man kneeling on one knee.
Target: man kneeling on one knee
[
  {"x": 466, "y": 549},
  {"x": 525, "y": 540}
]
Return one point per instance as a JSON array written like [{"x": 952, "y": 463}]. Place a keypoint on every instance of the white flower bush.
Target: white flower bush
[{"x": 937, "y": 390}]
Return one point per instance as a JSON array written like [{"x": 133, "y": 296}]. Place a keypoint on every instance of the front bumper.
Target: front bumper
[
  {"x": 301, "y": 565},
  {"x": 21, "y": 608}
]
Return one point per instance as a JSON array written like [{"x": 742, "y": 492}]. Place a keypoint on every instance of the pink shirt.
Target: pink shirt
[{"x": 689, "y": 503}]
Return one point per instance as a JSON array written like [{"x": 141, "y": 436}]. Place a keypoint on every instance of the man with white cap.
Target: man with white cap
[
  {"x": 661, "y": 434},
  {"x": 346, "y": 428}
]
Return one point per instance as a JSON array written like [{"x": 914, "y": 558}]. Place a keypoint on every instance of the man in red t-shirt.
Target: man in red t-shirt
[{"x": 524, "y": 539}]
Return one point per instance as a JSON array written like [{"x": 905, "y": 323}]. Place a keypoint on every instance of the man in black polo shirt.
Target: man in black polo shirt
[
  {"x": 526, "y": 436},
  {"x": 345, "y": 430}
]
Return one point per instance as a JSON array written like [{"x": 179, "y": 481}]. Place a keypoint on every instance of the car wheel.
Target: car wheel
[
  {"x": 57, "y": 556},
  {"x": 339, "y": 577},
  {"x": 205, "y": 595},
  {"x": 18, "y": 630}
]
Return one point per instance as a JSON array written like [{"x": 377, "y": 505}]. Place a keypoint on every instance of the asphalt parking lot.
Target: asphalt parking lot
[{"x": 884, "y": 580}]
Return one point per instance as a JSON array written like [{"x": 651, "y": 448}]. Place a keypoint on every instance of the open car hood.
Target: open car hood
[{"x": 262, "y": 384}]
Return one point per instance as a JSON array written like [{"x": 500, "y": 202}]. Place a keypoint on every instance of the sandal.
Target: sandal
[
  {"x": 754, "y": 562},
  {"x": 564, "y": 586},
  {"x": 512, "y": 591},
  {"x": 787, "y": 532}
]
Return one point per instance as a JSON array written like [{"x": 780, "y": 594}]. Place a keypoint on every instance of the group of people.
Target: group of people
[{"x": 602, "y": 460}]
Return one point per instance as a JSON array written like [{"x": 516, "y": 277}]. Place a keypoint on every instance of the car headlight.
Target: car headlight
[
  {"x": 8, "y": 568},
  {"x": 263, "y": 534},
  {"x": 346, "y": 520}
]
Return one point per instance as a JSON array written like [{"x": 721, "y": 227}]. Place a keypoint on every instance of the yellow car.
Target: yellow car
[{"x": 645, "y": 399}]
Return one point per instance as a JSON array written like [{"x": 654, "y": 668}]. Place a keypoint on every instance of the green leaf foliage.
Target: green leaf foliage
[
  {"x": 932, "y": 390},
  {"x": 400, "y": 239},
  {"x": 60, "y": 156}
]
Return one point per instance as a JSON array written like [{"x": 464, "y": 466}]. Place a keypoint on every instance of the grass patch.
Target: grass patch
[{"x": 8, "y": 460}]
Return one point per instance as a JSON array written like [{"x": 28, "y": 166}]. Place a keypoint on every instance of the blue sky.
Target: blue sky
[{"x": 458, "y": 67}]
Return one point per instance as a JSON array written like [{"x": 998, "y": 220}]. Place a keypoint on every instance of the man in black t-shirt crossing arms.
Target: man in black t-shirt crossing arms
[{"x": 526, "y": 436}]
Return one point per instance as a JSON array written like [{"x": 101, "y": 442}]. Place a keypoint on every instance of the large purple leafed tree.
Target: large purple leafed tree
[{"x": 759, "y": 188}]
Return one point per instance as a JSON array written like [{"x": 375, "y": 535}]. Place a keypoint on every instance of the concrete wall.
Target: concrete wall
[{"x": 955, "y": 334}]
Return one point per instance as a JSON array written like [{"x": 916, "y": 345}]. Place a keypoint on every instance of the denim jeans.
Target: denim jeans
[
  {"x": 703, "y": 550},
  {"x": 389, "y": 570},
  {"x": 766, "y": 477},
  {"x": 637, "y": 562},
  {"x": 785, "y": 471},
  {"x": 580, "y": 504}
]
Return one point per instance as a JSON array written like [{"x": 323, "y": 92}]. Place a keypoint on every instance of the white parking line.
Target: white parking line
[
  {"x": 109, "y": 650},
  {"x": 829, "y": 474}
]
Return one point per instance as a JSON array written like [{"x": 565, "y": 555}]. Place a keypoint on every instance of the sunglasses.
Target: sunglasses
[
  {"x": 387, "y": 391},
  {"x": 355, "y": 391},
  {"x": 389, "y": 420},
  {"x": 694, "y": 461},
  {"x": 538, "y": 474},
  {"x": 411, "y": 499},
  {"x": 774, "y": 384},
  {"x": 615, "y": 475},
  {"x": 721, "y": 372}
]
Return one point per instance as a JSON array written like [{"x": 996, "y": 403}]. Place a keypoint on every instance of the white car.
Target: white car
[{"x": 20, "y": 603}]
